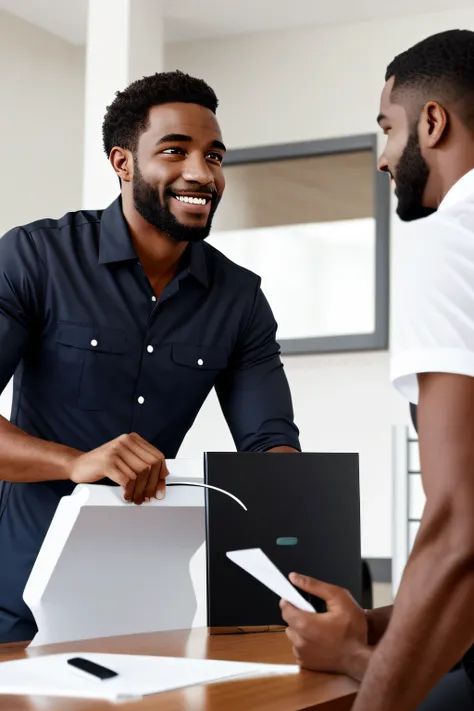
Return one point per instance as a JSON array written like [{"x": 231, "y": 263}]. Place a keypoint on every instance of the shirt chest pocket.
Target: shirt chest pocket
[
  {"x": 204, "y": 358},
  {"x": 197, "y": 367},
  {"x": 92, "y": 363}
]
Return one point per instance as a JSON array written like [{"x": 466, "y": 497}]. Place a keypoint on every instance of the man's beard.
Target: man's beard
[
  {"x": 411, "y": 177},
  {"x": 148, "y": 203}
]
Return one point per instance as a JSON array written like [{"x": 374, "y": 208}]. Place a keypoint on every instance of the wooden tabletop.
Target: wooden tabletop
[{"x": 302, "y": 692}]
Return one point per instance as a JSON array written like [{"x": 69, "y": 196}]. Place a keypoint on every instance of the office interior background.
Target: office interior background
[{"x": 283, "y": 73}]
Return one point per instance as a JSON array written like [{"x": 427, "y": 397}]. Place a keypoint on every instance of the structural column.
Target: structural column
[{"x": 124, "y": 43}]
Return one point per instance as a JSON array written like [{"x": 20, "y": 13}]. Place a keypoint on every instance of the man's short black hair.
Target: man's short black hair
[
  {"x": 440, "y": 68},
  {"x": 127, "y": 116}
]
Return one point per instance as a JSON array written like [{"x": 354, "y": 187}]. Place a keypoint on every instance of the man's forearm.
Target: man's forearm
[
  {"x": 377, "y": 623},
  {"x": 28, "y": 459},
  {"x": 432, "y": 622}
]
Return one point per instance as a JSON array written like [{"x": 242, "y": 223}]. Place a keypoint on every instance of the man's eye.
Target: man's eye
[
  {"x": 215, "y": 156},
  {"x": 173, "y": 151}
]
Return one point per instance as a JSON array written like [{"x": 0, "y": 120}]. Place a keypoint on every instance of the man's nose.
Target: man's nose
[{"x": 197, "y": 170}]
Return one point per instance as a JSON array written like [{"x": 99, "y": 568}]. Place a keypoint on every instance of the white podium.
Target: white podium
[{"x": 108, "y": 568}]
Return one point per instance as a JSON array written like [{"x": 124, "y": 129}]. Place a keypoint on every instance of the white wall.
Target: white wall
[
  {"x": 303, "y": 85},
  {"x": 41, "y": 123},
  {"x": 41, "y": 128}
]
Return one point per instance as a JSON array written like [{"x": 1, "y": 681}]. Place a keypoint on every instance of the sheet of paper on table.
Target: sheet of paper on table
[{"x": 137, "y": 675}]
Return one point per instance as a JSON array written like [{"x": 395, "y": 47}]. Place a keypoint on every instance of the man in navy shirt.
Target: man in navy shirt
[{"x": 117, "y": 324}]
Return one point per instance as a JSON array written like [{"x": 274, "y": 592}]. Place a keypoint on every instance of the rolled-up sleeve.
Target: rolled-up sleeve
[
  {"x": 254, "y": 392},
  {"x": 19, "y": 299}
]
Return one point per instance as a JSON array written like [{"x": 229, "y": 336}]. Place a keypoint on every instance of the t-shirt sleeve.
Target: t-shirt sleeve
[{"x": 433, "y": 302}]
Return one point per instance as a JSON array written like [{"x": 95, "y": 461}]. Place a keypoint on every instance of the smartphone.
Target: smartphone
[{"x": 91, "y": 669}]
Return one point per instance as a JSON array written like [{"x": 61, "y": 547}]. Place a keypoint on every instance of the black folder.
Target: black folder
[{"x": 303, "y": 511}]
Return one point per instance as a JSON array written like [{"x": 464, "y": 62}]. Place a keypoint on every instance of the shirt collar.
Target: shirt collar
[
  {"x": 198, "y": 263},
  {"x": 461, "y": 190},
  {"x": 115, "y": 245},
  {"x": 115, "y": 242}
]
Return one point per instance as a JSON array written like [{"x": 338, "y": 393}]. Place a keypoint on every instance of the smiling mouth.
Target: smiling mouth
[{"x": 192, "y": 198}]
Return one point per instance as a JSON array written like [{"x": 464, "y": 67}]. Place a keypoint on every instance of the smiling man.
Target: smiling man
[
  {"x": 118, "y": 323},
  {"x": 409, "y": 656}
]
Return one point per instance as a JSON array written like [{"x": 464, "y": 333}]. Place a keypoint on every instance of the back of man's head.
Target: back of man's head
[{"x": 441, "y": 69}]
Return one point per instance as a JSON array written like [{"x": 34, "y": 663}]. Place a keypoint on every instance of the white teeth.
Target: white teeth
[{"x": 191, "y": 200}]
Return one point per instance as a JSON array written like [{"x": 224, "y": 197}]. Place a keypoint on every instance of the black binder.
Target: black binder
[{"x": 303, "y": 511}]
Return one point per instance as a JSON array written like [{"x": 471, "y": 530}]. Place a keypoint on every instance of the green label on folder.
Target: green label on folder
[{"x": 287, "y": 541}]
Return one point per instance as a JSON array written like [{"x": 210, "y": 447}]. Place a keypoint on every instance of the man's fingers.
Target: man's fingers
[
  {"x": 297, "y": 619},
  {"x": 147, "y": 451},
  {"x": 140, "y": 487},
  {"x": 294, "y": 637},
  {"x": 153, "y": 479},
  {"x": 156, "y": 485},
  {"x": 296, "y": 644},
  {"x": 125, "y": 476},
  {"x": 133, "y": 460},
  {"x": 164, "y": 469},
  {"x": 146, "y": 465},
  {"x": 331, "y": 594},
  {"x": 161, "y": 489},
  {"x": 146, "y": 462},
  {"x": 118, "y": 477}
]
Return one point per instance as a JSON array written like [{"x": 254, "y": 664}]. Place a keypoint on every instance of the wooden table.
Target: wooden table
[{"x": 305, "y": 691}]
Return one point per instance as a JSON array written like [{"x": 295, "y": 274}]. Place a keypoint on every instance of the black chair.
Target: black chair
[{"x": 367, "y": 591}]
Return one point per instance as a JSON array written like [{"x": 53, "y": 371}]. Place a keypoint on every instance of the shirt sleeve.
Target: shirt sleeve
[
  {"x": 433, "y": 302},
  {"x": 19, "y": 299},
  {"x": 254, "y": 392}
]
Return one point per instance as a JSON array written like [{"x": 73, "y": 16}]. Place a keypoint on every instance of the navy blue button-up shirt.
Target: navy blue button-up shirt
[{"x": 94, "y": 355}]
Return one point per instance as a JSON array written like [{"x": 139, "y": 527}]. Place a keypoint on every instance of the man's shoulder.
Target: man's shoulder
[
  {"x": 71, "y": 220},
  {"x": 456, "y": 220},
  {"x": 437, "y": 241},
  {"x": 433, "y": 264},
  {"x": 222, "y": 265},
  {"x": 49, "y": 234}
]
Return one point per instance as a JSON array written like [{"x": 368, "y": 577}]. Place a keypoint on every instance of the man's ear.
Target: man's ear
[
  {"x": 433, "y": 124},
  {"x": 121, "y": 161}
]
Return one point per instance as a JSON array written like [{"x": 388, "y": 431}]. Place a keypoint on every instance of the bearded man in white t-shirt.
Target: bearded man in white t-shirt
[{"x": 403, "y": 654}]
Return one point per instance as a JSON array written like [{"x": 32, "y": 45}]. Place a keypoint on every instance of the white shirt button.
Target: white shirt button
[
  {"x": 200, "y": 361},
  {"x": 150, "y": 349},
  {"x": 153, "y": 298},
  {"x": 94, "y": 343},
  {"x": 141, "y": 400}
]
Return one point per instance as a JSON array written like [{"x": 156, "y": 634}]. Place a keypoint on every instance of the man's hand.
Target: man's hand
[
  {"x": 334, "y": 641},
  {"x": 129, "y": 461}
]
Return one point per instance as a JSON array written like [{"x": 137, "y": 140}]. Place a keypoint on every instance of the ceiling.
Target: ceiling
[{"x": 204, "y": 19}]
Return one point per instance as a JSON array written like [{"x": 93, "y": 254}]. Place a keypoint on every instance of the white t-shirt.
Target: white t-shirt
[{"x": 433, "y": 308}]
